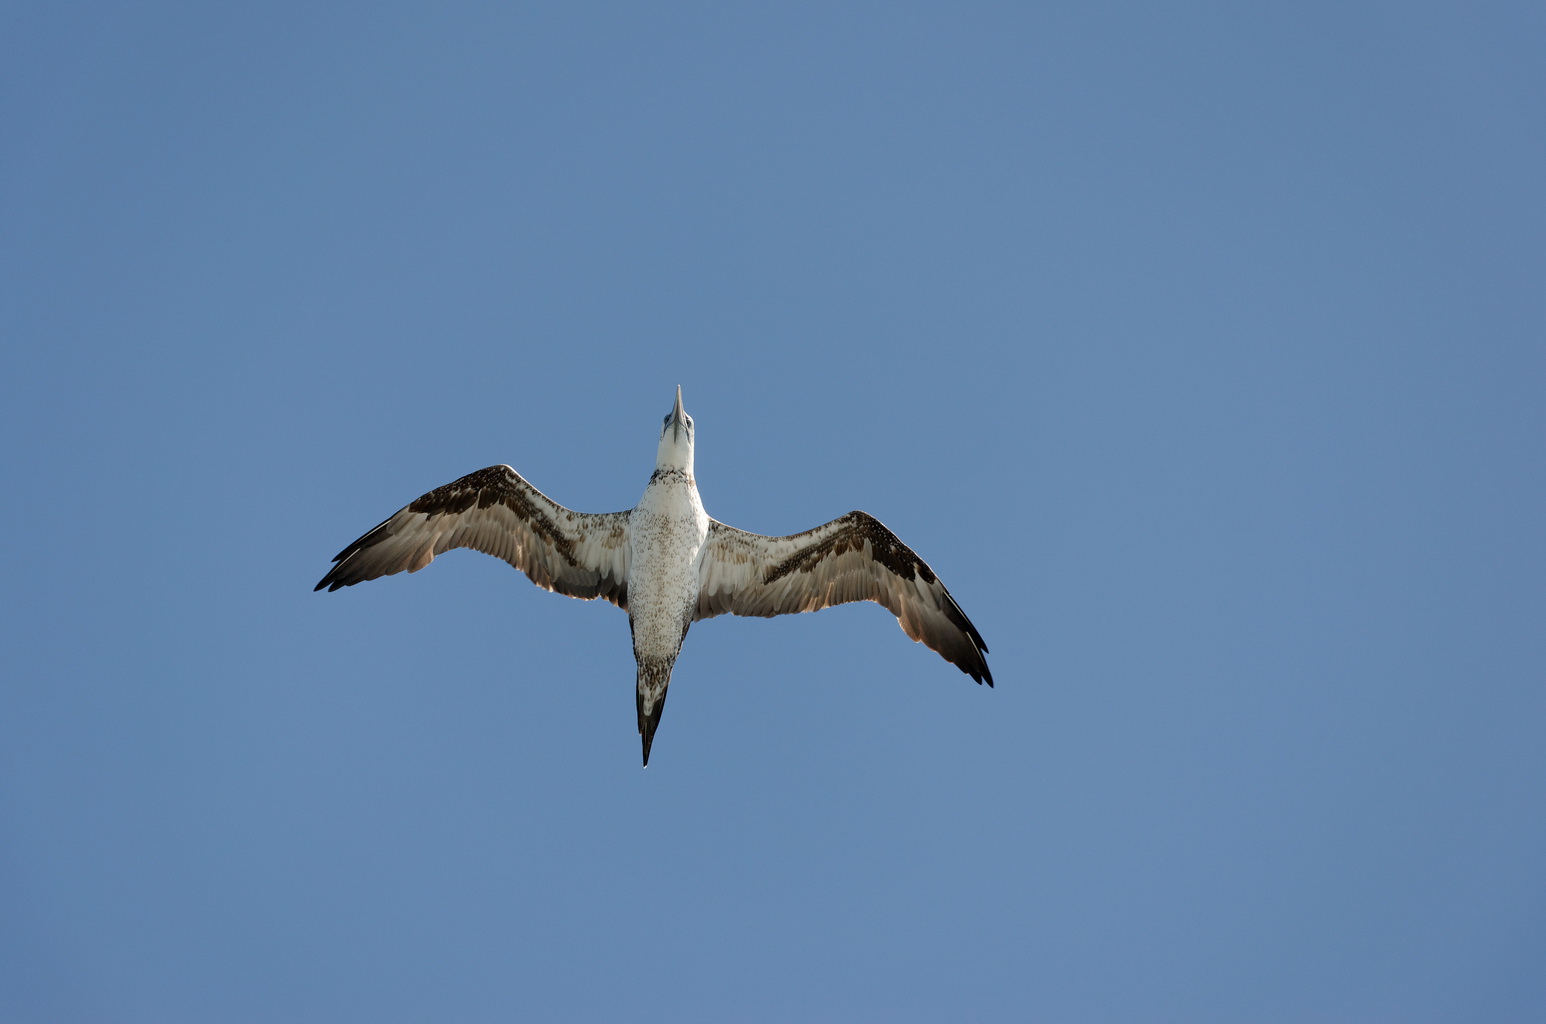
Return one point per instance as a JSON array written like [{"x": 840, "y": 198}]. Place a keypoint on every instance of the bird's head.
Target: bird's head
[{"x": 676, "y": 438}]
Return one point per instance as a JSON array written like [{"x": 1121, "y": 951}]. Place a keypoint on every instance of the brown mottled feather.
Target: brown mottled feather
[
  {"x": 497, "y": 512},
  {"x": 852, "y": 558}
]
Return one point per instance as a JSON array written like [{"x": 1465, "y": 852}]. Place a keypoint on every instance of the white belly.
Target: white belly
[{"x": 667, "y": 531}]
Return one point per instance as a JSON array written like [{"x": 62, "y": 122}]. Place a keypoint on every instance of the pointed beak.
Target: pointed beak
[{"x": 678, "y": 416}]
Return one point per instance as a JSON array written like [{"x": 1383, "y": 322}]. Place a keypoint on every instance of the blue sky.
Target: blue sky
[{"x": 1197, "y": 347}]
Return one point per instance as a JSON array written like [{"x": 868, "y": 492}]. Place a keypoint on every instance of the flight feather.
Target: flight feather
[
  {"x": 496, "y": 511},
  {"x": 852, "y": 558}
]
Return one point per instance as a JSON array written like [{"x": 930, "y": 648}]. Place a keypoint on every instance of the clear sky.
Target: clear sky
[{"x": 1198, "y": 347}]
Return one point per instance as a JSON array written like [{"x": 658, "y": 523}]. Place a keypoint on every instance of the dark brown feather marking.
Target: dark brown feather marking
[
  {"x": 488, "y": 487},
  {"x": 885, "y": 547},
  {"x": 813, "y": 571}
]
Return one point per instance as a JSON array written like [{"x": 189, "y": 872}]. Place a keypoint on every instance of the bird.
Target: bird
[{"x": 667, "y": 563}]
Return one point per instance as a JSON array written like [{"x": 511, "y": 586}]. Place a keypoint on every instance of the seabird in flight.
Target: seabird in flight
[{"x": 668, "y": 564}]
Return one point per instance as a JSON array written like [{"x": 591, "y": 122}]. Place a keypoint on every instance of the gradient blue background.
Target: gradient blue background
[{"x": 1199, "y": 348}]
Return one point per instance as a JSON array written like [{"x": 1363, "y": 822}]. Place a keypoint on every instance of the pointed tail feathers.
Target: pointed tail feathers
[{"x": 654, "y": 677}]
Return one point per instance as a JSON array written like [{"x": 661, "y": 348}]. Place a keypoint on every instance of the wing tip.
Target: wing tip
[
  {"x": 334, "y": 580},
  {"x": 978, "y": 670}
]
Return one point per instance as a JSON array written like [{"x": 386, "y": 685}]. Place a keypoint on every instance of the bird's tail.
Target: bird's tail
[{"x": 654, "y": 677}]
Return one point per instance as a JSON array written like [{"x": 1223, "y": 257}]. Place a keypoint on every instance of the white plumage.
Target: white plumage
[{"x": 667, "y": 563}]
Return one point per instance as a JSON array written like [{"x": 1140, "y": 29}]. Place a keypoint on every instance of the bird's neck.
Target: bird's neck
[
  {"x": 672, "y": 491},
  {"x": 673, "y": 457},
  {"x": 672, "y": 476}
]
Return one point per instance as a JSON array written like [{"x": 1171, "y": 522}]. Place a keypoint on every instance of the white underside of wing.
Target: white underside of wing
[
  {"x": 497, "y": 512},
  {"x": 853, "y": 558}
]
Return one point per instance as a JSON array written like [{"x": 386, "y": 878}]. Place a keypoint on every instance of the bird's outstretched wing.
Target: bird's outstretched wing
[
  {"x": 497, "y": 512},
  {"x": 854, "y": 558}
]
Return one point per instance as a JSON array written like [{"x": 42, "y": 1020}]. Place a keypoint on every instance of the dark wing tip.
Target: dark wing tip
[
  {"x": 976, "y": 667},
  {"x": 889, "y": 551},
  {"x": 973, "y": 663},
  {"x": 982, "y": 675},
  {"x": 336, "y": 577}
]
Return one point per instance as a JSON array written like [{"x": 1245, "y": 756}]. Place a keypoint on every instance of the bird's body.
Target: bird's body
[
  {"x": 667, "y": 562},
  {"x": 666, "y": 532}
]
